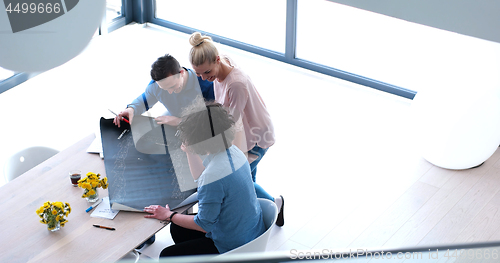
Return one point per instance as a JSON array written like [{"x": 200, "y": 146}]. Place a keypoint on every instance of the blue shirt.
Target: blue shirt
[
  {"x": 228, "y": 208},
  {"x": 174, "y": 102}
]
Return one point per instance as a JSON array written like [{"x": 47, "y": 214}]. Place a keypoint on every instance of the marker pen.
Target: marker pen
[
  {"x": 105, "y": 227},
  {"x": 93, "y": 206}
]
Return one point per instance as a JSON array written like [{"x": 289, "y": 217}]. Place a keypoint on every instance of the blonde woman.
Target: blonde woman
[{"x": 235, "y": 90}]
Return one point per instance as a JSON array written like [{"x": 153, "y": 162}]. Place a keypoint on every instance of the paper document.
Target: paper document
[
  {"x": 150, "y": 171},
  {"x": 188, "y": 201},
  {"x": 96, "y": 145},
  {"x": 104, "y": 210}
]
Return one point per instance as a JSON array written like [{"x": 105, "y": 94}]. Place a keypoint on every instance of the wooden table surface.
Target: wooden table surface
[{"x": 24, "y": 239}]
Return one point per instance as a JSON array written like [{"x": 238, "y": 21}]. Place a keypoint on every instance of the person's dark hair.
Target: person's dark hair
[
  {"x": 164, "y": 66},
  {"x": 206, "y": 128}
]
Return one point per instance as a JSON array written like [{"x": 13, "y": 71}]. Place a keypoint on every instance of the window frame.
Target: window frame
[{"x": 143, "y": 11}]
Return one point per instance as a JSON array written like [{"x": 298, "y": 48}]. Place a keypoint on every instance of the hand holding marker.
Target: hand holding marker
[{"x": 123, "y": 118}]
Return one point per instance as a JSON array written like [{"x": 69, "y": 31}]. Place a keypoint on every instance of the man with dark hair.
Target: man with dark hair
[
  {"x": 164, "y": 66},
  {"x": 172, "y": 85},
  {"x": 175, "y": 87}
]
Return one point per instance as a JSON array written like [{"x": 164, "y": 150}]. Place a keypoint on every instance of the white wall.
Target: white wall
[{"x": 477, "y": 18}]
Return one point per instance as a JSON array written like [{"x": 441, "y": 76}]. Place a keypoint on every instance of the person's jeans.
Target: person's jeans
[
  {"x": 261, "y": 193},
  {"x": 256, "y": 150}
]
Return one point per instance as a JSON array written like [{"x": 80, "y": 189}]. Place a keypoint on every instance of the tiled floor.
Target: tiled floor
[{"x": 345, "y": 158}]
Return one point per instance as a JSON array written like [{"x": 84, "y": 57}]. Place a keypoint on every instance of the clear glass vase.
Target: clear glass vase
[
  {"x": 93, "y": 198},
  {"x": 57, "y": 226}
]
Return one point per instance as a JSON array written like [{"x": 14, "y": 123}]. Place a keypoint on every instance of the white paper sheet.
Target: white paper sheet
[
  {"x": 104, "y": 210},
  {"x": 188, "y": 201},
  {"x": 96, "y": 145}
]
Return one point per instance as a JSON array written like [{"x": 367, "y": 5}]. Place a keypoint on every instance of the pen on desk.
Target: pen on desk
[
  {"x": 93, "y": 206},
  {"x": 123, "y": 132},
  {"x": 123, "y": 118},
  {"x": 105, "y": 227}
]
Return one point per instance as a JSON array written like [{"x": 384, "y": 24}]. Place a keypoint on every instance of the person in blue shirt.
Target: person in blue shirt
[
  {"x": 172, "y": 85},
  {"x": 229, "y": 214}
]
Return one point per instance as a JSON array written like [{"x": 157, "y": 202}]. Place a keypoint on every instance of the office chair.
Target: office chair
[
  {"x": 270, "y": 213},
  {"x": 26, "y": 159},
  {"x": 132, "y": 256}
]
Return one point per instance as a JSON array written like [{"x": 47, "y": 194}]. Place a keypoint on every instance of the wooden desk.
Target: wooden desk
[{"x": 24, "y": 239}]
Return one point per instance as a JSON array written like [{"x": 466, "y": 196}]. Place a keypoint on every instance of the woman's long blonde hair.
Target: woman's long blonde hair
[{"x": 203, "y": 49}]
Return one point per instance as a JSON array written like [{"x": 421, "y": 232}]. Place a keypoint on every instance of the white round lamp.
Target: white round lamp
[
  {"x": 41, "y": 35},
  {"x": 458, "y": 127}
]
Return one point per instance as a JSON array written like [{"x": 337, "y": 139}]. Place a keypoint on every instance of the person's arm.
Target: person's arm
[
  {"x": 241, "y": 141},
  {"x": 195, "y": 163},
  {"x": 169, "y": 120},
  {"x": 164, "y": 213},
  {"x": 238, "y": 99},
  {"x": 211, "y": 196},
  {"x": 146, "y": 100},
  {"x": 186, "y": 221}
]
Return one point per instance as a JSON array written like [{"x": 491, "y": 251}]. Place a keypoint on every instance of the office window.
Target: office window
[
  {"x": 113, "y": 10},
  {"x": 383, "y": 48},
  {"x": 260, "y": 23}
]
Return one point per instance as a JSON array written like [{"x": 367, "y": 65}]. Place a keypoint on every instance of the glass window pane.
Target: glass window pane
[
  {"x": 386, "y": 49},
  {"x": 113, "y": 9},
  {"x": 260, "y": 23}
]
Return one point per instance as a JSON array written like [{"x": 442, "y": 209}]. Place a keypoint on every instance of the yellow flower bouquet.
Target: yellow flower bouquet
[
  {"x": 90, "y": 183},
  {"x": 53, "y": 213}
]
